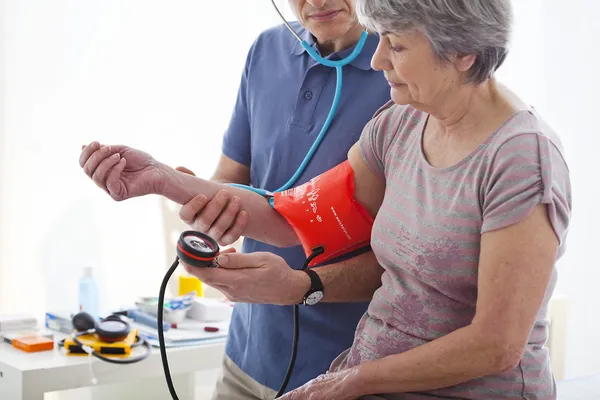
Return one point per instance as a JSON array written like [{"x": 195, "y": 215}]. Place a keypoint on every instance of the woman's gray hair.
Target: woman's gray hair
[{"x": 478, "y": 27}]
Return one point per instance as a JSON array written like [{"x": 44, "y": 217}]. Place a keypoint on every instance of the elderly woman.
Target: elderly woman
[
  {"x": 472, "y": 201},
  {"x": 473, "y": 220}
]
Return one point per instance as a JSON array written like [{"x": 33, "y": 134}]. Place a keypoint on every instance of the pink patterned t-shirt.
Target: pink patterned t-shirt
[{"x": 427, "y": 236}]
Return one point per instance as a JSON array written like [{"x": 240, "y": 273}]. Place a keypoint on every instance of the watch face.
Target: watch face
[{"x": 313, "y": 298}]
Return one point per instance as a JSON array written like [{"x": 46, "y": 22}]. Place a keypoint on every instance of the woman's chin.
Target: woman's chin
[{"x": 399, "y": 98}]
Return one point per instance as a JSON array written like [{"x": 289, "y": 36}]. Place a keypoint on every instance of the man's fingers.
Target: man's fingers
[
  {"x": 189, "y": 210},
  {"x": 241, "y": 260},
  {"x": 236, "y": 230},
  {"x": 228, "y": 250},
  {"x": 225, "y": 220},
  {"x": 212, "y": 210},
  {"x": 201, "y": 273},
  {"x": 185, "y": 171},
  {"x": 213, "y": 276}
]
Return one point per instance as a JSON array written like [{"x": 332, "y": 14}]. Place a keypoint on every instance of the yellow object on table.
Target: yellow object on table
[{"x": 188, "y": 283}]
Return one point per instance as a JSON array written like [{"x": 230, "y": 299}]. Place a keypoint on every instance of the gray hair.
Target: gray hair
[{"x": 478, "y": 27}]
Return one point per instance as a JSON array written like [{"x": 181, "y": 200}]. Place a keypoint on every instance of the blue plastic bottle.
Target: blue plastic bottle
[{"x": 88, "y": 293}]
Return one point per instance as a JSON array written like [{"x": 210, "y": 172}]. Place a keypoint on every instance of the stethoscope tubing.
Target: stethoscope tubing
[{"x": 337, "y": 64}]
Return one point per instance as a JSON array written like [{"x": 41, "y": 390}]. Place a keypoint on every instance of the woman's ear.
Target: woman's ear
[{"x": 464, "y": 62}]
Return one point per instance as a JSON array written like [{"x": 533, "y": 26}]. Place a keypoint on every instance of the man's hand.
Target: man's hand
[
  {"x": 255, "y": 278},
  {"x": 221, "y": 218},
  {"x": 341, "y": 385},
  {"x": 121, "y": 171}
]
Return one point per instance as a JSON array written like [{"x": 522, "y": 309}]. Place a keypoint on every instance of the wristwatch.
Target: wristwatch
[{"x": 315, "y": 293}]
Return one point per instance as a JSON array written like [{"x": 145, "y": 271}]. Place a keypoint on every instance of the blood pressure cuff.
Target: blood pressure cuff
[{"x": 324, "y": 212}]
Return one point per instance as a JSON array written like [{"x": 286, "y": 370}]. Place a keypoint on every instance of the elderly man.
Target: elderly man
[{"x": 283, "y": 102}]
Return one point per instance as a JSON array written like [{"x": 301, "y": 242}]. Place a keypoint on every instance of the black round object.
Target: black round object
[
  {"x": 83, "y": 321},
  {"x": 197, "y": 249},
  {"x": 112, "y": 328}
]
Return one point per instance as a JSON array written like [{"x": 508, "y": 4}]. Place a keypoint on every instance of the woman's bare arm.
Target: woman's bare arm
[{"x": 264, "y": 223}]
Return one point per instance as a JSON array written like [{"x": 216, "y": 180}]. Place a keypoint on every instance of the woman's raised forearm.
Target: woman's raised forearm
[{"x": 264, "y": 223}]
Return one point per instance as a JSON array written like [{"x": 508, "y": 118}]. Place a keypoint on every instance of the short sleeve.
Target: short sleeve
[
  {"x": 373, "y": 144},
  {"x": 236, "y": 139},
  {"x": 527, "y": 170}
]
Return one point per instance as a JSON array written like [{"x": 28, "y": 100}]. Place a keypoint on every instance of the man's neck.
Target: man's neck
[{"x": 345, "y": 42}]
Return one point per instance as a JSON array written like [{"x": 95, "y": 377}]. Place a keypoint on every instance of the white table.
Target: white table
[{"x": 28, "y": 376}]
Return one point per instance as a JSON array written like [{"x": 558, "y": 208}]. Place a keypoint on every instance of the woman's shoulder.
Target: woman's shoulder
[
  {"x": 527, "y": 125},
  {"x": 388, "y": 132}
]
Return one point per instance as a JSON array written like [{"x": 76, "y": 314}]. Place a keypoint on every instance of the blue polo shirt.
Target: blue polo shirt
[{"x": 283, "y": 101}]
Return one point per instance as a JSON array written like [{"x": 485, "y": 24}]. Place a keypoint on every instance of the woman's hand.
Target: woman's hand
[
  {"x": 342, "y": 385},
  {"x": 121, "y": 171}
]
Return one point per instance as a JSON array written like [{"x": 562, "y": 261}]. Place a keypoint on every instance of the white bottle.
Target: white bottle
[{"x": 88, "y": 293}]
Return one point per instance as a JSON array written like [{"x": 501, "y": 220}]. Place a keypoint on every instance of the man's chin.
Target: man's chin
[{"x": 329, "y": 31}]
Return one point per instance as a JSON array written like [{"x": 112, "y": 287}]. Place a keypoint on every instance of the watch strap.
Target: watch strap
[{"x": 315, "y": 282}]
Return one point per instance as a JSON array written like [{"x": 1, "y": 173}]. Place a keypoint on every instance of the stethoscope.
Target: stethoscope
[
  {"x": 199, "y": 250},
  {"x": 338, "y": 65},
  {"x": 108, "y": 330}
]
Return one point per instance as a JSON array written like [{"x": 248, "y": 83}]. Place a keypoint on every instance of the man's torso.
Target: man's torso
[{"x": 288, "y": 99}]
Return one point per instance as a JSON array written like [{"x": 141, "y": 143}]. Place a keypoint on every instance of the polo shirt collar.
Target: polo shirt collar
[{"x": 362, "y": 61}]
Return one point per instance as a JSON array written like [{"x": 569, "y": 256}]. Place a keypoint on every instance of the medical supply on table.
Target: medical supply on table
[
  {"x": 8, "y": 337},
  {"x": 33, "y": 343},
  {"x": 110, "y": 339},
  {"x": 17, "y": 321},
  {"x": 210, "y": 310},
  {"x": 189, "y": 284},
  {"x": 147, "y": 319},
  {"x": 60, "y": 321},
  {"x": 88, "y": 293},
  {"x": 174, "y": 309},
  {"x": 187, "y": 333}
]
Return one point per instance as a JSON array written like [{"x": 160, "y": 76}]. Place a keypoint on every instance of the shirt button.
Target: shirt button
[{"x": 308, "y": 95}]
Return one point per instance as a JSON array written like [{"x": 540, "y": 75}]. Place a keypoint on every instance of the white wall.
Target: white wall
[
  {"x": 162, "y": 76},
  {"x": 571, "y": 103},
  {"x": 554, "y": 65},
  {"x": 2, "y": 125}
]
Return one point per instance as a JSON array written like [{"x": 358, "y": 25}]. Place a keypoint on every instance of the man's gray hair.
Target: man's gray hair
[{"x": 463, "y": 27}]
